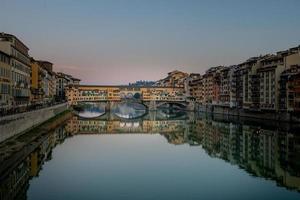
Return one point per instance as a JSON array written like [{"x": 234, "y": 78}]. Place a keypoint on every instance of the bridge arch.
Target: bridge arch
[
  {"x": 129, "y": 109},
  {"x": 89, "y": 109},
  {"x": 176, "y": 105}
]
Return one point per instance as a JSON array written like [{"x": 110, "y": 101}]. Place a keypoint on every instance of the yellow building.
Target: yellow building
[
  {"x": 77, "y": 93},
  {"x": 35, "y": 96}
]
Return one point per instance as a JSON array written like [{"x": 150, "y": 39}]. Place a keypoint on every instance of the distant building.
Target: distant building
[
  {"x": 62, "y": 81},
  {"x": 174, "y": 79},
  {"x": 211, "y": 86},
  {"x": 264, "y": 83},
  {"x": 195, "y": 87}
]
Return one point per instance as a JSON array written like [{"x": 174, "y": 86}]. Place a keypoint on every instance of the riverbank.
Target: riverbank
[
  {"x": 263, "y": 115},
  {"x": 13, "y": 125},
  {"x": 17, "y": 147}
]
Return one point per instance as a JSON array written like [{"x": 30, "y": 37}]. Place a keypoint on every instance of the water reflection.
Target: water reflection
[
  {"x": 89, "y": 109},
  {"x": 129, "y": 110},
  {"x": 171, "y": 113},
  {"x": 262, "y": 150},
  {"x": 18, "y": 168}
]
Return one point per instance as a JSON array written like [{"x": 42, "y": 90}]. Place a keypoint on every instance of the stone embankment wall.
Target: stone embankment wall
[
  {"x": 283, "y": 117},
  {"x": 19, "y": 123}
]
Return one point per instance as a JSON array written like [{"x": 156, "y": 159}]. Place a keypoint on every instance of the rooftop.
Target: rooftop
[{"x": 6, "y": 35}]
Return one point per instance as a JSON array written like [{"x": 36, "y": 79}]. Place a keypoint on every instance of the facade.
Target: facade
[
  {"x": 38, "y": 75},
  {"x": 250, "y": 83},
  {"x": 260, "y": 84},
  {"x": 20, "y": 68},
  {"x": 225, "y": 86},
  {"x": 26, "y": 82},
  {"x": 195, "y": 87},
  {"x": 211, "y": 86},
  {"x": 289, "y": 89},
  {"x": 5, "y": 82},
  {"x": 43, "y": 82},
  {"x": 228, "y": 89},
  {"x": 269, "y": 75},
  {"x": 293, "y": 85},
  {"x": 79, "y": 93},
  {"x": 49, "y": 80},
  {"x": 62, "y": 81},
  {"x": 174, "y": 79},
  {"x": 266, "y": 83}
]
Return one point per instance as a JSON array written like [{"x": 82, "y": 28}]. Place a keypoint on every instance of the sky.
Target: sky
[{"x": 121, "y": 41}]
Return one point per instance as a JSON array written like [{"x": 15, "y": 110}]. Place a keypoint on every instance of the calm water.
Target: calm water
[{"x": 159, "y": 156}]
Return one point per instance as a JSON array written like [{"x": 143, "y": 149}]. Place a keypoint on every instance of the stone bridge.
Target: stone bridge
[{"x": 151, "y": 97}]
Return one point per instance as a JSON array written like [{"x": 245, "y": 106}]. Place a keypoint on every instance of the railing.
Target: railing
[{"x": 27, "y": 108}]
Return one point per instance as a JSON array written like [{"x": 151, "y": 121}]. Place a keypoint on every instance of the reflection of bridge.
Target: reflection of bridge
[
  {"x": 153, "y": 115},
  {"x": 78, "y": 125},
  {"x": 153, "y": 122},
  {"x": 151, "y": 97}
]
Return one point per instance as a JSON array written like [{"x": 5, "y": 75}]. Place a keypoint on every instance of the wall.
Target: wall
[
  {"x": 284, "y": 117},
  {"x": 19, "y": 123}
]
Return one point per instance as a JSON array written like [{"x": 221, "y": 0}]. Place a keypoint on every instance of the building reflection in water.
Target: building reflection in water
[
  {"x": 22, "y": 166},
  {"x": 270, "y": 152}
]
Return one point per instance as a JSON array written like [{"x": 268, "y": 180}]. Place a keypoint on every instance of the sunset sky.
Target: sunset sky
[{"x": 121, "y": 41}]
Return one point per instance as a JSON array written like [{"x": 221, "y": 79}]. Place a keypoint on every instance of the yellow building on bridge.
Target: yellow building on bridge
[{"x": 97, "y": 93}]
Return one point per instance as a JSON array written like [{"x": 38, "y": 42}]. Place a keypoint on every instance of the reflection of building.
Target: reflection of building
[
  {"x": 15, "y": 180},
  {"x": 81, "y": 126},
  {"x": 265, "y": 153},
  {"x": 261, "y": 152},
  {"x": 15, "y": 184}
]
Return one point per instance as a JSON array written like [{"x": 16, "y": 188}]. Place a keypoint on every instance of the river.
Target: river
[{"x": 159, "y": 155}]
